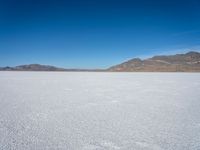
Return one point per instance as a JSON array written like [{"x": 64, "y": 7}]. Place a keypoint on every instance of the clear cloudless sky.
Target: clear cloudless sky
[{"x": 95, "y": 33}]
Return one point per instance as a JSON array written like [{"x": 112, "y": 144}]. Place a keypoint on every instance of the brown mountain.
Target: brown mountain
[{"x": 189, "y": 62}]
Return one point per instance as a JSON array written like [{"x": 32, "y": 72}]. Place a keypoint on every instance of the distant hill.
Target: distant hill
[
  {"x": 189, "y": 62},
  {"x": 32, "y": 67},
  {"x": 38, "y": 67}
]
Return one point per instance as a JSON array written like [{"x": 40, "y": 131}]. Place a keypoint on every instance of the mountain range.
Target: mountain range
[{"x": 188, "y": 62}]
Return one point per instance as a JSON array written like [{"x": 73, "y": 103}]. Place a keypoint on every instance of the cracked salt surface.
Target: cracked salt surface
[{"x": 99, "y": 111}]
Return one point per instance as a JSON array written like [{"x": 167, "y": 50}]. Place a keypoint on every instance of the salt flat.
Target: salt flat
[{"x": 99, "y": 111}]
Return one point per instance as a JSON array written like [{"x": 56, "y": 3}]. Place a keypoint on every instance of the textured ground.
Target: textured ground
[{"x": 99, "y": 111}]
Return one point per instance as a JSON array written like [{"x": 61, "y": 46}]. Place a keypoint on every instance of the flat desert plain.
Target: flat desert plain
[{"x": 99, "y": 111}]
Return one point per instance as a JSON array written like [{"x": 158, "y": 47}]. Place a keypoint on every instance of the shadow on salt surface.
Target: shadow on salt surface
[{"x": 104, "y": 145}]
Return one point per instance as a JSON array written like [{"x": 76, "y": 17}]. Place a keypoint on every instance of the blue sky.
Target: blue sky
[{"x": 95, "y": 33}]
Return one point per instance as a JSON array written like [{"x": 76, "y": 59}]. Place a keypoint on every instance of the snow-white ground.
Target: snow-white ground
[{"x": 99, "y": 111}]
